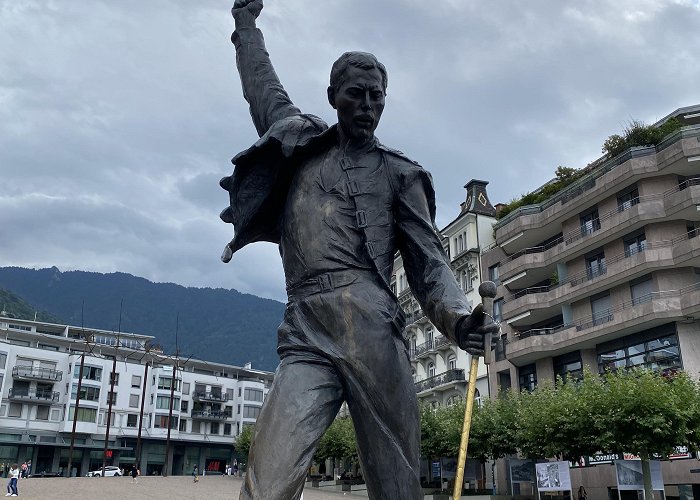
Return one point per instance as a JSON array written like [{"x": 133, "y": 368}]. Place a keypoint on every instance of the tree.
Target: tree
[
  {"x": 242, "y": 442},
  {"x": 494, "y": 432},
  {"x": 338, "y": 441}
]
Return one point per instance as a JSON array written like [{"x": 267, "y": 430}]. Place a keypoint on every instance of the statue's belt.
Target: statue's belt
[{"x": 326, "y": 282}]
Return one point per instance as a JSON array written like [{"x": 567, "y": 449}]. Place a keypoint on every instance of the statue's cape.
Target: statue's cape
[{"x": 261, "y": 177}]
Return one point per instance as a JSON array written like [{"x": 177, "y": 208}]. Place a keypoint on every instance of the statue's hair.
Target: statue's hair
[{"x": 363, "y": 60}]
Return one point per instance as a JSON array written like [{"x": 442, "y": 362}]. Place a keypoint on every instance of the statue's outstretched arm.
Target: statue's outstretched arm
[{"x": 262, "y": 89}]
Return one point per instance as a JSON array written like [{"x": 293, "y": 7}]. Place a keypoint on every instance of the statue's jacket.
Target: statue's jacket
[{"x": 264, "y": 172}]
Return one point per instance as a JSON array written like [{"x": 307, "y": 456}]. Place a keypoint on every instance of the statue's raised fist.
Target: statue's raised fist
[{"x": 246, "y": 11}]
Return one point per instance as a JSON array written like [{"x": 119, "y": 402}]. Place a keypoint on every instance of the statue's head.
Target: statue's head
[{"x": 357, "y": 91}]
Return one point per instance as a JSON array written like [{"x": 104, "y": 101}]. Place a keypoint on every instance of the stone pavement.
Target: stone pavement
[{"x": 155, "y": 488}]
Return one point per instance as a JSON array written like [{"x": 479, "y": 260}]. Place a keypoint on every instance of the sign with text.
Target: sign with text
[{"x": 553, "y": 476}]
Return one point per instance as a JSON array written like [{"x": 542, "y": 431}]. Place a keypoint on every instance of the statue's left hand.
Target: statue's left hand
[{"x": 471, "y": 332}]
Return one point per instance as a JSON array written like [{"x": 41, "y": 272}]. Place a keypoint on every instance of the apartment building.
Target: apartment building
[
  {"x": 605, "y": 273},
  {"x": 440, "y": 369},
  {"x": 39, "y": 377}
]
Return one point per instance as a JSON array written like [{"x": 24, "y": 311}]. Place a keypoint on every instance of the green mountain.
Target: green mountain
[
  {"x": 14, "y": 306},
  {"x": 214, "y": 324}
]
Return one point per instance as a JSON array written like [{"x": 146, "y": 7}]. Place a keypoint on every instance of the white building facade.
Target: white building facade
[
  {"x": 39, "y": 377},
  {"x": 440, "y": 368}
]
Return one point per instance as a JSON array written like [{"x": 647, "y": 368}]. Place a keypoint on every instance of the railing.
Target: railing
[
  {"x": 601, "y": 270},
  {"x": 604, "y": 165},
  {"x": 212, "y": 414},
  {"x": 542, "y": 331},
  {"x": 210, "y": 396},
  {"x": 51, "y": 396},
  {"x": 423, "y": 348},
  {"x": 452, "y": 375},
  {"x": 36, "y": 373}
]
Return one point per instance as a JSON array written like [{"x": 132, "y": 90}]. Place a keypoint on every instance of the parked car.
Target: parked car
[
  {"x": 46, "y": 474},
  {"x": 110, "y": 470}
]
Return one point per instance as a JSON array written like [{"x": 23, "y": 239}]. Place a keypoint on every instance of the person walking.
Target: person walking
[
  {"x": 195, "y": 474},
  {"x": 12, "y": 483},
  {"x": 582, "y": 494},
  {"x": 135, "y": 473}
]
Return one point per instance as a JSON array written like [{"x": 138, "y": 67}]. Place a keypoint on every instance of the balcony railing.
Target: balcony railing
[
  {"x": 29, "y": 372},
  {"x": 26, "y": 394},
  {"x": 210, "y": 396},
  {"x": 604, "y": 165},
  {"x": 453, "y": 375},
  {"x": 211, "y": 415}
]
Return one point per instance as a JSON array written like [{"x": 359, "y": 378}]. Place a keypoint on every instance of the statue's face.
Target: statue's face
[{"x": 359, "y": 102}]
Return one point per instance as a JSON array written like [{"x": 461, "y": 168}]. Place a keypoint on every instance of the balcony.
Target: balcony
[
  {"x": 438, "y": 342},
  {"x": 642, "y": 312},
  {"x": 31, "y": 373},
  {"x": 454, "y": 375},
  {"x": 210, "y": 396},
  {"x": 528, "y": 224},
  {"x": 38, "y": 396},
  {"x": 211, "y": 415}
]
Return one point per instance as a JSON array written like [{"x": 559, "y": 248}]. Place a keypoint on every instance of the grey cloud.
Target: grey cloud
[{"x": 118, "y": 118}]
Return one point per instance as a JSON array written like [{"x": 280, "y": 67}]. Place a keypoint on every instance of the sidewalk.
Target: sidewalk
[{"x": 154, "y": 487}]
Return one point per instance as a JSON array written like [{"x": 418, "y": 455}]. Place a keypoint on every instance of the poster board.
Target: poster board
[
  {"x": 553, "y": 476},
  {"x": 629, "y": 475}
]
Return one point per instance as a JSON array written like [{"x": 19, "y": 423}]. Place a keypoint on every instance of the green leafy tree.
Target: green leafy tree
[
  {"x": 338, "y": 441},
  {"x": 242, "y": 442},
  {"x": 494, "y": 429}
]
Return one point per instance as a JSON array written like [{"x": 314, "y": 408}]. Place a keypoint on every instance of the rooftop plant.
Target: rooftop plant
[{"x": 635, "y": 133}]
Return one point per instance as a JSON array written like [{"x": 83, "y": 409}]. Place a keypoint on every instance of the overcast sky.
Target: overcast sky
[{"x": 118, "y": 118}]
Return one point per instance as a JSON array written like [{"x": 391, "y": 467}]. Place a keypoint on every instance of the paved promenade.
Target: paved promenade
[{"x": 155, "y": 488}]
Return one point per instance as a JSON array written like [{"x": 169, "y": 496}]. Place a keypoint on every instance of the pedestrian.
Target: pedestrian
[
  {"x": 12, "y": 483},
  {"x": 235, "y": 467},
  {"x": 582, "y": 493},
  {"x": 135, "y": 473},
  {"x": 29, "y": 468},
  {"x": 195, "y": 474},
  {"x": 23, "y": 472}
]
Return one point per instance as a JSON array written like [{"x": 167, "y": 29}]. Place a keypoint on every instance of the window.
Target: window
[
  {"x": 3, "y": 359},
  {"x": 161, "y": 422},
  {"x": 86, "y": 393},
  {"x": 498, "y": 310},
  {"x": 431, "y": 369},
  {"x": 83, "y": 414},
  {"x": 527, "y": 378},
  {"x": 452, "y": 362},
  {"x": 589, "y": 222},
  {"x": 627, "y": 199},
  {"x": 185, "y": 387},
  {"x": 601, "y": 308},
  {"x": 133, "y": 400},
  {"x": 115, "y": 376},
  {"x": 253, "y": 394},
  {"x": 15, "y": 410},
  {"x": 183, "y": 425},
  {"x": 251, "y": 411},
  {"x": 641, "y": 290},
  {"x": 635, "y": 244},
  {"x": 132, "y": 420},
  {"x": 112, "y": 397},
  {"x": 184, "y": 406},
  {"x": 103, "y": 418},
  {"x": 429, "y": 336},
  {"x": 568, "y": 365},
  {"x": 656, "y": 349},
  {"x": 163, "y": 403},
  {"x": 42, "y": 412},
  {"x": 227, "y": 429},
  {"x": 165, "y": 382},
  {"x": 196, "y": 427},
  {"x": 214, "y": 428},
  {"x": 239, "y": 410},
  {"x": 692, "y": 228},
  {"x": 89, "y": 373},
  {"x": 136, "y": 381},
  {"x": 595, "y": 265},
  {"x": 494, "y": 274}
]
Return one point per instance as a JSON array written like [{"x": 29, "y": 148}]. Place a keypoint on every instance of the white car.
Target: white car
[{"x": 110, "y": 470}]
